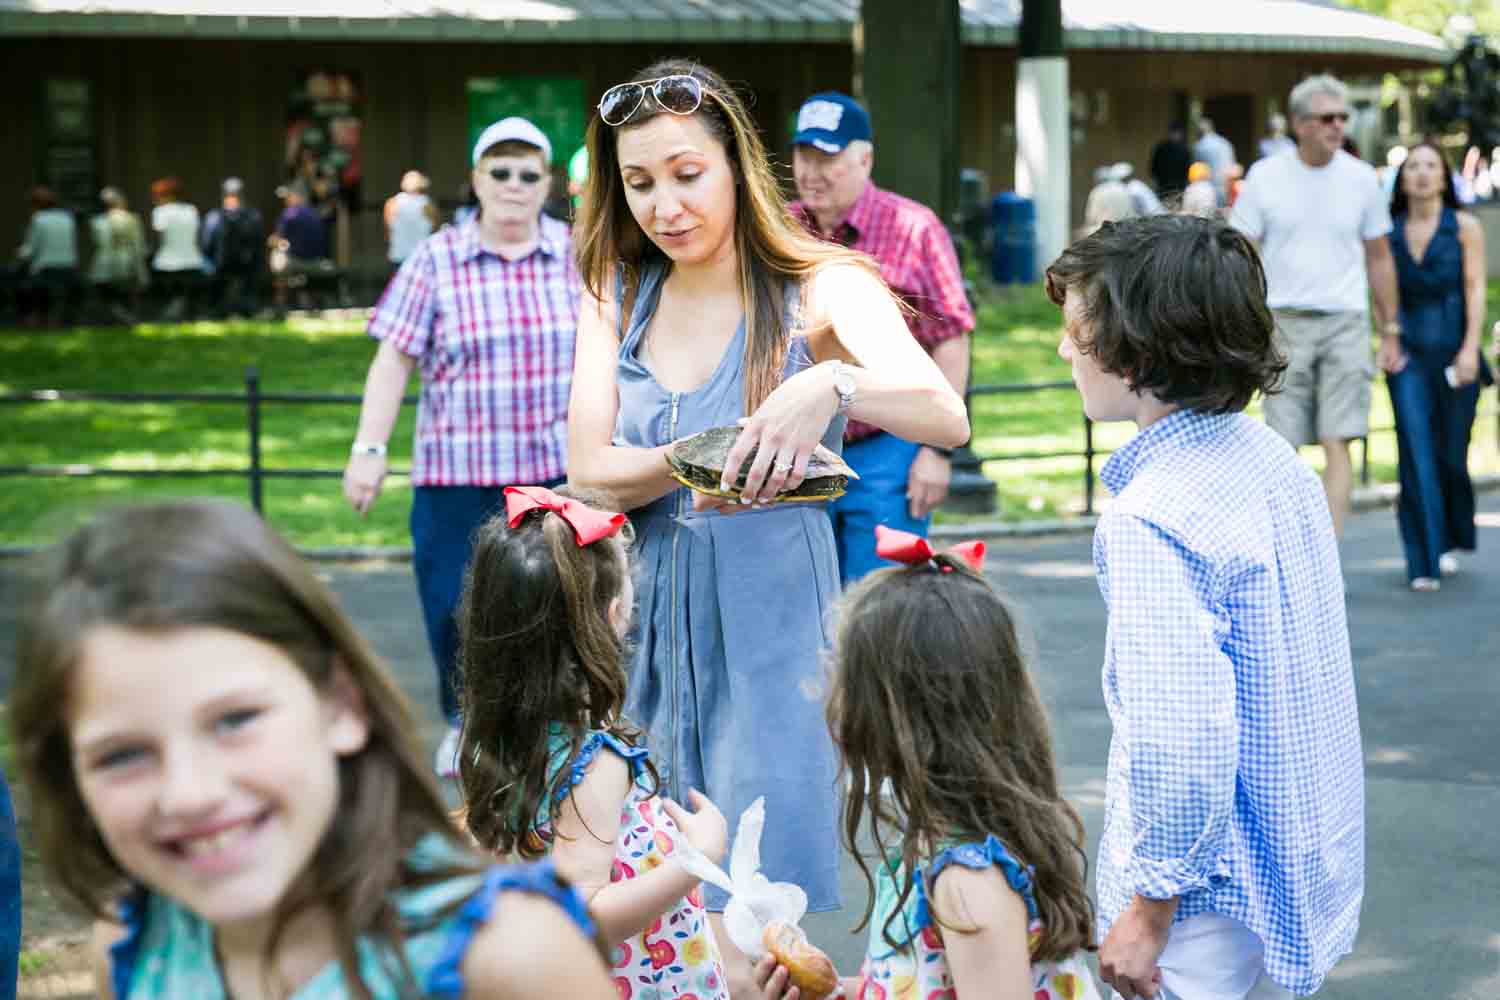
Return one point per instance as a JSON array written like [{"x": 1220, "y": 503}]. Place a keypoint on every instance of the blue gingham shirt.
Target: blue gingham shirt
[{"x": 1235, "y": 771}]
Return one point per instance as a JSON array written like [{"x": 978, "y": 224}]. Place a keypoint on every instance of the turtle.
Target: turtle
[{"x": 698, "y": 462}]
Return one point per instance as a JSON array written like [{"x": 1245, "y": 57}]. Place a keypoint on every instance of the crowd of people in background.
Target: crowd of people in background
[{"x": 115, "y": 267}]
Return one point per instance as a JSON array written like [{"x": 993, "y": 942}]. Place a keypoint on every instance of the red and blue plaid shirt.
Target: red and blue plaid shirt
[
  {"x": 494, "y": 341},
  {"x": 916, "y": 259}
]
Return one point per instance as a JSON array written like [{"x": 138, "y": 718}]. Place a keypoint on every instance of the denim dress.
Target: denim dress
[
  {"x": 728, "y": 672},
  {"x": 1433, "y": 420}
]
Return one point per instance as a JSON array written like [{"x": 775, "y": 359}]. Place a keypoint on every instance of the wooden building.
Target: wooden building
[{"x": 123, "y": 91}]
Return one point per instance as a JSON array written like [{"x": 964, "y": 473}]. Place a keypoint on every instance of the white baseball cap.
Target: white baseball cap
[{"x": 512, "y": 130}]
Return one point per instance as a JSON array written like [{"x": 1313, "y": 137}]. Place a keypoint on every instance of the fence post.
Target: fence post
[
  {"x": 252, "y": 413},
  {"x": 1364, "y": 460},
  {"x": 1088, "y": 465}
]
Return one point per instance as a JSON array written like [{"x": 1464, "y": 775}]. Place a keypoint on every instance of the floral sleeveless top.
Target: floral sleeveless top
[
  {"x": 918, "y": 969},
  {"x": 676, "y": 956},
  {"x": 168, "y": 951}
]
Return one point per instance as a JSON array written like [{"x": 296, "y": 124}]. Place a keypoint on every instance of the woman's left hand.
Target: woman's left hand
[
  {"x": 783, "y": 431},
  {"x": 1466, "y": 366}
]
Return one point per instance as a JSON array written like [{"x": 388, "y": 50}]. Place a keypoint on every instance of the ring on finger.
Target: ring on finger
[{"x": 784, "y": 466}]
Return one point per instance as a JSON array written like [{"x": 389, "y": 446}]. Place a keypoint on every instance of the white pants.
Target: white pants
[{"x": 1211, "y": 957}]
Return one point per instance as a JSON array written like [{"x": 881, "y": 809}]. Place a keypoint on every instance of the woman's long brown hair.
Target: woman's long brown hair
[
  {"x": 217, "y": 565},
  {"x": 932, "y": 695},
  {"x": 771, "y": 247},
  {"x": 537, "y": 651}
]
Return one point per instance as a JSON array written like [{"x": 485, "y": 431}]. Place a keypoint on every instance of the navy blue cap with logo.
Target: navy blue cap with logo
[{"x": 830, "y": 121}]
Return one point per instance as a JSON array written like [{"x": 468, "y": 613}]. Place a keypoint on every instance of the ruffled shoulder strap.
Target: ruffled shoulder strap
[
  {"x": 445, "y": 978},
  {"x": 124, "y": 952},
  {"x": 596, "y": 740},
  {"x": 979, "y": 855}
]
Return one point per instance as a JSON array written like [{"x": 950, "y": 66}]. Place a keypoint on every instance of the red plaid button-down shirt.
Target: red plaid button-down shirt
[
  {"x": 494, "y": 341},
  {"x": 916, "y": 259}
]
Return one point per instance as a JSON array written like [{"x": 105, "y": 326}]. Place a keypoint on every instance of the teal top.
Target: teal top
[
  {"x": 916, "y": 915},
  {"x": 168, "y": 951},
  {"x": 918, "y": 963}
]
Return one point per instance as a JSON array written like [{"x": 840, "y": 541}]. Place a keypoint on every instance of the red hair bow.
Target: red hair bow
[
  {"x": 589, "y": 525},
  {"x": 914, "y": 550}
]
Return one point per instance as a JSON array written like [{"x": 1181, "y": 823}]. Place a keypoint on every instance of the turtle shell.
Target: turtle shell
[{"x": 698, "y": 462}]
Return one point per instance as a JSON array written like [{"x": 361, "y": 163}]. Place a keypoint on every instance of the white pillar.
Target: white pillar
[{"x": 1043, "y": 172}]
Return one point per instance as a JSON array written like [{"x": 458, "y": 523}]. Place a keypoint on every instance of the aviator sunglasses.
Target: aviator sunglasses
[
  {"x": 503, "y": 175},
  {"x": 680, "y": 94}
]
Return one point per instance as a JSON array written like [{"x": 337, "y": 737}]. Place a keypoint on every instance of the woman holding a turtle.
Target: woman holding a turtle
[{"x": 707, "y": 305}]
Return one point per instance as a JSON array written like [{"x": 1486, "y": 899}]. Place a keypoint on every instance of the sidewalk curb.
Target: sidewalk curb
[{"x": 1365, "y": 498}]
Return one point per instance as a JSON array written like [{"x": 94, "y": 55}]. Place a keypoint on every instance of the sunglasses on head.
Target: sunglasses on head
[
  {"x": 504, "y": 174},
  {"x": 680, "y": 94},
  {"x": 1328, "y": 118}
]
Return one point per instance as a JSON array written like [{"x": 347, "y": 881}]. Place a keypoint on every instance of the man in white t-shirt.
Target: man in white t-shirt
[{"x": 1320, "y": 220}]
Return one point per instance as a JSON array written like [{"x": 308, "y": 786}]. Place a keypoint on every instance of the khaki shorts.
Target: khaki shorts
[{"x": 1326, "y": 392}]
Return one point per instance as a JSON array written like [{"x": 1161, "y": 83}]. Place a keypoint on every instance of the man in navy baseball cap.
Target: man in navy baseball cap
[
  {"x": 830, "y": 121},
  {"x": 832, "y": 157}
]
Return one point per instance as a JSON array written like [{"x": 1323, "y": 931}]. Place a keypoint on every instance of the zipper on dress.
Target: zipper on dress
[{"x": 674, "y": 780}]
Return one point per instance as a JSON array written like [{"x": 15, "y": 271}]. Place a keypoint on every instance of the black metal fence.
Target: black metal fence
[{"x": 255, "y": 471}]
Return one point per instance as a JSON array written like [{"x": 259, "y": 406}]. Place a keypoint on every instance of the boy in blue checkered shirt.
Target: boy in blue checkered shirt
[{"x": 1231, "y": 864}]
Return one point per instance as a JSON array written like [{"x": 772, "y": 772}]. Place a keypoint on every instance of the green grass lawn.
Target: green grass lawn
[{"x": 1016, "y": 342}]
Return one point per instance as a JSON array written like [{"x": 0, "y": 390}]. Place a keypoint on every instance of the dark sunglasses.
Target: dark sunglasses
[
  {"x": 503, "y": 175},
  {"x": 1333, "y": 116},
  {"x": 680, "y": 94}
]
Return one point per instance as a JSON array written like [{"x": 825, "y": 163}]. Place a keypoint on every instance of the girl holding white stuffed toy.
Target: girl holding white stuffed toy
[
  {"x": 942, "y": 733},
  {"x": 547, "y": 764}
]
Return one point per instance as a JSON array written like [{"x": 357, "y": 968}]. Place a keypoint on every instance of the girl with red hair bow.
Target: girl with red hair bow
[
  {"x": 549, "y": 766},
  {"x": 949, "y": 755}
]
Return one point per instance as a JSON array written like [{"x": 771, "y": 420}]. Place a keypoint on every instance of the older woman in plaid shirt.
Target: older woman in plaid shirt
[{"x": 488, "y": 311}]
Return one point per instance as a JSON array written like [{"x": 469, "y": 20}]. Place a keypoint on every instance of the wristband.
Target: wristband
[
  {"x": 367, "y": 448},
  {"x": 1391, "y": 329}
]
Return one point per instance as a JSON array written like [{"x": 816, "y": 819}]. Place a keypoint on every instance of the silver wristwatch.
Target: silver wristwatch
[{"x": 843, "y": 384}]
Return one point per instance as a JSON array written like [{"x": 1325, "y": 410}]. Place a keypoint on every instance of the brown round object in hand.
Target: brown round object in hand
[{"x": 811, "y": 970}]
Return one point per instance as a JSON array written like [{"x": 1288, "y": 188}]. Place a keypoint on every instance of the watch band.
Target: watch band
[
  {"x": 367, "y": 448},
  {"x": 843, "y": 384}
]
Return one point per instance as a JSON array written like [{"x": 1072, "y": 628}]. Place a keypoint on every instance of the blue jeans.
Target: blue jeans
[
  {"x": 10, "y": 895},
  {"x": 443, "y": 522},
  {"x": 878, "y": 496},
  {"x": 1433, "y": 423}
]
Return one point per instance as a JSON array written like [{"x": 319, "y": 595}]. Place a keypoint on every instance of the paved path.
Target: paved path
[{"x": 1428, "y": 669}]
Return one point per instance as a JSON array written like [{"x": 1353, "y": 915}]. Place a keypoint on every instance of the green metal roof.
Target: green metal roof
[{"x": 1169, "y": 25}]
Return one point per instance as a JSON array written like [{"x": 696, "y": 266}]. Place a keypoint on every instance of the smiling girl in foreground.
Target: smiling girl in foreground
[
  {"x": 203, "y": 730},
  {"x": 950, "y": 755}
]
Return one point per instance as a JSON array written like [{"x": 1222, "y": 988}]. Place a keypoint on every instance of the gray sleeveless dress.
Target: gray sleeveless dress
[{"x": 728, "y": 670}]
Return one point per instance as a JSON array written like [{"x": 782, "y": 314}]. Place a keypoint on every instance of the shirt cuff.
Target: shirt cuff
[{"x": 1175, "y": 877}]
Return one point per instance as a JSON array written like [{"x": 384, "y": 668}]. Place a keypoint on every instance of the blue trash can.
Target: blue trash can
[{"x": 1013, "y": 260}]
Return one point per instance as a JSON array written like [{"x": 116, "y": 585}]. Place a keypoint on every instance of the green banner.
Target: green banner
[{"x": 556, "y": 105}]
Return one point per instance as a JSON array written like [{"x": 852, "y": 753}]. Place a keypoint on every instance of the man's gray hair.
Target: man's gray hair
[{"x": 1300, "y": 101}]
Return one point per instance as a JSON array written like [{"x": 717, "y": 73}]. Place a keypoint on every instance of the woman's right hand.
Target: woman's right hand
[
  {"x": 1391, "y": 358},
  {"x": 705, "y": 827},
  {"x": 363, "y": 477}
]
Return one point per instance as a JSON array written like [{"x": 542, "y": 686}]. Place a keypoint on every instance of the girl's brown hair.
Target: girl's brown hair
[
  {"x": 217, "y": 565},
  {"x": 932, "y": 695},
  {"x": 538, "y": 653},
  {"x": 771, "y": 248}
]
